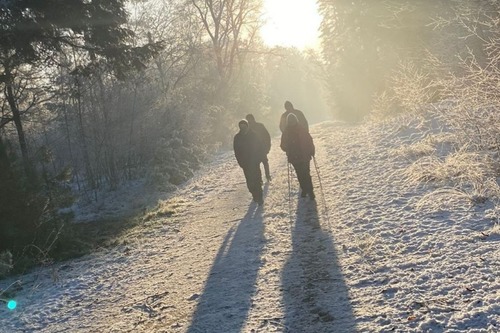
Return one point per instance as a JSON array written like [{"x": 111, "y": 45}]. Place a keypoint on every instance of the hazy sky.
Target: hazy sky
[{"x": 291, "y": 23}]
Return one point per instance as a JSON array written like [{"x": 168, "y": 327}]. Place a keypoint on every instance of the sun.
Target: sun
[{"x": 291, "y": 23}]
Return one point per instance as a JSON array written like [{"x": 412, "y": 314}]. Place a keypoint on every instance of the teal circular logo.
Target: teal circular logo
[{"x": 11, "y": 305}]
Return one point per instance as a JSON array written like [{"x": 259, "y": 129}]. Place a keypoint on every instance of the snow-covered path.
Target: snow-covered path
[{"x": 359, "y": 259}]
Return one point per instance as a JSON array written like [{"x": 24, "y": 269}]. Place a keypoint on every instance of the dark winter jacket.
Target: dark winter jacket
[
  {"x": 298, "y": 144},
  {"x": 263, "y": 136},
  {"x": 246, "y": 149},
  {"x": 300, "y": 116}
]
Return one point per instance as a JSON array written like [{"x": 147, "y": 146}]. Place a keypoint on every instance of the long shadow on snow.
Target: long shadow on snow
[
  {"x": 226, "y": 299},
  {"x": 314, "y": 291}
]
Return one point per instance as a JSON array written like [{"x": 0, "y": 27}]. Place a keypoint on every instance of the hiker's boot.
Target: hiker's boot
[{"x": 259, "y": 199}]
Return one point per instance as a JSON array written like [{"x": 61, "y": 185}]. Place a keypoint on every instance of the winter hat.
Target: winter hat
[
  {"x": 288, "y": 106},
  {"x": 243, "y": 122},
  {"x": 291, "y": 120}
]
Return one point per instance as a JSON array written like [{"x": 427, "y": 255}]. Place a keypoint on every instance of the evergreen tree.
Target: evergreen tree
[
  {"x": 35, "y": 33},
  {"x": 35, "y": 37},
  {"x": 364, "y": 41}
]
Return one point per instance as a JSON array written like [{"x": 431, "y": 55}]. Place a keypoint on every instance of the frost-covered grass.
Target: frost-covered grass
[
  {"x": 452, "y": 174},
  {"x": 370, "y": 255},
  {"x": 459, "y": 167},
  {"x": 431, "y": 144}
]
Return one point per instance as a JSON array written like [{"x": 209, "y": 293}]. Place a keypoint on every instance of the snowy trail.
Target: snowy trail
[{"x": 359, "y": 259}]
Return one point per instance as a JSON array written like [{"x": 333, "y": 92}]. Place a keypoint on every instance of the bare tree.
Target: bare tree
[{"x": 231, "y": 26}]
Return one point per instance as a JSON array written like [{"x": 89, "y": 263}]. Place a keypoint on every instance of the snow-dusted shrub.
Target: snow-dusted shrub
[
  {"x": 471, "y": 77},
  {"x": 412, "y": 87},
  {"x": 466, "y": 168},
  {"x": 384, "y": 106},
  {"x": 176, "y": 161}
]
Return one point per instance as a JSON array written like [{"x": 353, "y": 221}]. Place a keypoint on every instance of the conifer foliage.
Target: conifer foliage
[
  {"x": 364, "y": 43},
  {"x": 37, "y": 37}
]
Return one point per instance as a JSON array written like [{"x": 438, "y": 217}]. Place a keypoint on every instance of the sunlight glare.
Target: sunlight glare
[{"x": 291, "y": 23}]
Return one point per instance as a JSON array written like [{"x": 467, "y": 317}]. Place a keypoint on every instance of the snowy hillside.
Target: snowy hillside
[{"x": 367, "y": 256}]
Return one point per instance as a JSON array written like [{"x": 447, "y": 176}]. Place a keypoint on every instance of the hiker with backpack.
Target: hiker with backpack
[
  {"x": 289, "y": 109},
  {"x": 248, "y": 154},
  {"x": 299, "y": 147},
  {"x": 265, "y": 142}
]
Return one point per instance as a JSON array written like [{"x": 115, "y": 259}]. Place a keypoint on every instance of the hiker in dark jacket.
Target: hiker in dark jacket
[
  {"x": 247, "y": 152},
  {"x": 299, "y": 147},
  {"x": 299, "y": 114},
  {"x": 264, "y": 139}
]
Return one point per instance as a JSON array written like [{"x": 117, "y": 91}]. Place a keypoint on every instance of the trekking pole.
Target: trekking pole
[
  {"x": 321, "y": 190},
  {"x": 289, "y": 194}
]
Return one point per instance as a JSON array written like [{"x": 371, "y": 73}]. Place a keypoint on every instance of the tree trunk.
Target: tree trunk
[{"x": 16, "y": 116}]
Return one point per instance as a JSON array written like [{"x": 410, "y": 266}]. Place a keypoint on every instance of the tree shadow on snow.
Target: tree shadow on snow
[
  {"x": 226, "y": 299},
  {"x": 314, "y": 291}
]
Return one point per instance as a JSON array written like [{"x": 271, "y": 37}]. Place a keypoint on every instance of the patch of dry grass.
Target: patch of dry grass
[
  {"x": 417, "y": 150},
  {"x": 426, "y": 147},
  {"x": 166, "y": 208},
  {"x": 459, "y": 168},
  {"x": 463, "y": 179}
]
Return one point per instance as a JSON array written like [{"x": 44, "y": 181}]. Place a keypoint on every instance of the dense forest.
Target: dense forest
[{"x": 95, "y": 94}]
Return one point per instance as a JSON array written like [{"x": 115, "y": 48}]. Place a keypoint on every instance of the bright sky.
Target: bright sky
[{"x": 291, "y": 23}]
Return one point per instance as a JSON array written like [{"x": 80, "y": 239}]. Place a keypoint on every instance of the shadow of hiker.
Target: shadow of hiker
[
  {"x": 315, "y": 295},
  {"x": 226, "y": 298}
]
